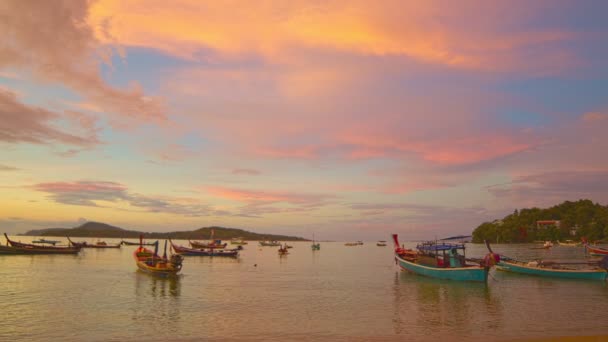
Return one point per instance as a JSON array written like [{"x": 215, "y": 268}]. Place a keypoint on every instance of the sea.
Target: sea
[{"x": 338, "y": 293}]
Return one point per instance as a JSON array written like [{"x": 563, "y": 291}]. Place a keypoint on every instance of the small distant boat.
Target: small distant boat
[
  {"x": 381, "y": 243},
  {"x": 441, "y": 260},
  {"x": 358, "y": 243},
  {"x": 149, "y": 261},
  {"x": 204, "y": 252},
  {"x": 14, "y": 247},
  {"x": 591, "y": 270},
  {"x": 270, "y": 243},
  {"x": 546, "y": 245},
  {"x": 597, "y": 251},
  {"x": 283, "y": 250},
  {"x": 568, "y": 243},
  {"x": 315, "y": 246},
  {"x": 98, "y": 244},
  {"x": 238, "y": 241},
  {"x": 45, "y": 241},
  {"x": 217, "y": 244},
  {"x": 129, "y": 243}
]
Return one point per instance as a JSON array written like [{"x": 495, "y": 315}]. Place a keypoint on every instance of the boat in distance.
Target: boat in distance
[
  {"x": 204, "y": 252},
  {"x": 590, "y": 270},
  {"x": 129, "y": 243},
  {"x": 597, "y": 251},
  {"x": 149, "y": 261},
  {"x": 45, "y": 241},
  {"x": 430, "y": 259},
  {"x": 270, "y": 243},
  {"x": 14, "y": 247},
  {"x": 99, "y": 244}
]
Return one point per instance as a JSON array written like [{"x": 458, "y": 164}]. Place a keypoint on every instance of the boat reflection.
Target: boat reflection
[
  {"x": 157, "y": 287},
  {"x": 444, "y": 308}
]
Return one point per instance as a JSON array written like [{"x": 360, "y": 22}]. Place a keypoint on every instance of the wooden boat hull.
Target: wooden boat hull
[
  {"x": 150, "y": 263},
  {"x": 195, "y": 244},
  {"x": 596, "y": 250},
  {"x": 10, "y": 250},
  {"x": 598, "y": 274},
  {"x": 127, "y": 243},
  {"x": 472, "y": 273},
  {"x": 199, "y": 252},
  {"x": 269, "y": 244}
]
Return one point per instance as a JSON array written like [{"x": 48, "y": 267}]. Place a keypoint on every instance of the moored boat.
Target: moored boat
[
  {"x": 217, "y": 244},
  {"x": 98, "y": 244},
  {"x": 591, "y": 270},
  {"x": 270, "y": 243},
  {"x": 315, "y": 246},
  {"x": 596, "y": 250},
  {"x": 568, "y": 243},
  {"x": 45, "y": 241},
  {"x": 14, "y": 247},
  {"x": 283, "y": 250},
  {"x": 441, "y": 260},
  {"x": 149, "y": 261},
  {"x": 204, "y": 252},
  {"x": 381, "y": 243},
  {"x": 129, "y": 243},
  {"x": 238, "y": 241}
]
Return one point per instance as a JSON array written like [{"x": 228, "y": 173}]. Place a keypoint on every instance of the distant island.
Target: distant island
[
  {"x": 568, "y": 220},
  {"x": 103, "y": 230}
]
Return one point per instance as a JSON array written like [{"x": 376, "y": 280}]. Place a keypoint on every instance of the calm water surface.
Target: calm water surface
[{"x": 337, "y": 293}]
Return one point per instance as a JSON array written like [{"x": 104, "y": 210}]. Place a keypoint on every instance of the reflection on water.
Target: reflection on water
[
  {"x": 443, "y": 308},
  {"x": 338, "y": 293}
]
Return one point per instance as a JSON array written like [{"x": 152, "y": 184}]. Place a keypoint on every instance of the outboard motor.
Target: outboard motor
[{"x": 176, "y": 261}]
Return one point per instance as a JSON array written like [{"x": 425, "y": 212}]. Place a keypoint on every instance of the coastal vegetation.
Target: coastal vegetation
[
  {"x": 568, "y": 220},
  {"x": 98, "y": 229}
]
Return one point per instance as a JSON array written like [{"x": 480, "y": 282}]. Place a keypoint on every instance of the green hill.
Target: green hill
[
  {"x": 582, "y": 218},
  {"x": 97, "y": 229}
]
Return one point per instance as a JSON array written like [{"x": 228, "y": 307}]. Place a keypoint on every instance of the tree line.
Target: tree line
[{"x": 587, "y": 219}]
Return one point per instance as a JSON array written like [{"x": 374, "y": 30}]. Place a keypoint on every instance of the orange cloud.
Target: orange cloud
[
  {"x": 276, "y": 29},
  {"x": 595, "y": 116}
]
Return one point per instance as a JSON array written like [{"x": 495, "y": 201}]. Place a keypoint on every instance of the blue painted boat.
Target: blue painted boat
[
  {"x": 439, "y": 261},
  {"x": 551, "y": 269}
]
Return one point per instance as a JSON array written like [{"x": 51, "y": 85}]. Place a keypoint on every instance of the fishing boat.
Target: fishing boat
[
  {"x": 568, "y": 243},
  {"x": 129, "y": 243},
  {"x": 270, "y": 243},
  {"x": 238, "y": 241},
  {"x": 350, "y": 244},
  {"x": 204, "y": 252},
  {"x": 98, "y": 244},
  {"x": 546, "y": 245},
  {"x": 149, "y": 261},
  {"x": 283, "y": 250},
  {"x": 441, "y": 260},
  {"x": 14, "y": 247},
  {"x": 315, "y": 246},
  {"x": 591, "y": 270},
  {"x": 210, "y": 244},
  {"x": 381, "y": 243},
  {"x": 45, "y": 241},
  {"x": 597, "y": 251}
]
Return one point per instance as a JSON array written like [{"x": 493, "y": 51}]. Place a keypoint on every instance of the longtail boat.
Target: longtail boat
[
  {"x": 238, "y": 241},
  {"x": 591, "y": 270},
  {"x": 381, "y": 243},
  {"x": 14, "y": 247},
  {"x": 149, "y": 261},
  {"x": 270, "y": 243},
  {"x": 283, "y": 250},
  {"x": 568, "y": 243},
  {"x": 596, "y": 250},
  {"x": 99, "y": 244},
  {"x": 204, "y": 252},
  {"x": 217, "y": 244},
  {"x": 129, "y": 243},
  {"x": 441, "y": 260},
  {"x": 48, "y": 242},
  {"x": 315, "y": 246}
]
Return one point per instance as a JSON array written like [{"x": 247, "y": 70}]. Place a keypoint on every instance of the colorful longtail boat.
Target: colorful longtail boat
[
  {"x": 591, "y": 270},
  {"x": 204, "y": 252},
  {"x": 442, "y": 261},
  {"x": 149, "y": 261},
  {"x": 129, "y": 243},
  {"x": 14, "y": 247},
  {"x": 596, "y": 250}
]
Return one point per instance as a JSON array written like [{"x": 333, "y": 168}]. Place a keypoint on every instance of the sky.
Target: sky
[{"x": 347, "y": 119}]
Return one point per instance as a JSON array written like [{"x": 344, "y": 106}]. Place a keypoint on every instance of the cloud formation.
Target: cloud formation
[
  {"x": 24, "y": 123},
  {"x": 53, "y": 42}
]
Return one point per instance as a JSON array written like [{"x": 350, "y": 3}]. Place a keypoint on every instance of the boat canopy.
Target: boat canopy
[{"x": 433, "y": 247}]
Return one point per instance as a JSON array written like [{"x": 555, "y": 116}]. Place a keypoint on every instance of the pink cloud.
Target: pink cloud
[
  {"x": 23, "y": 123},
  {"x": 267, "y": 197},
  {"x": 595, "y": 116},
  {"x": 53, "y": 42}
]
